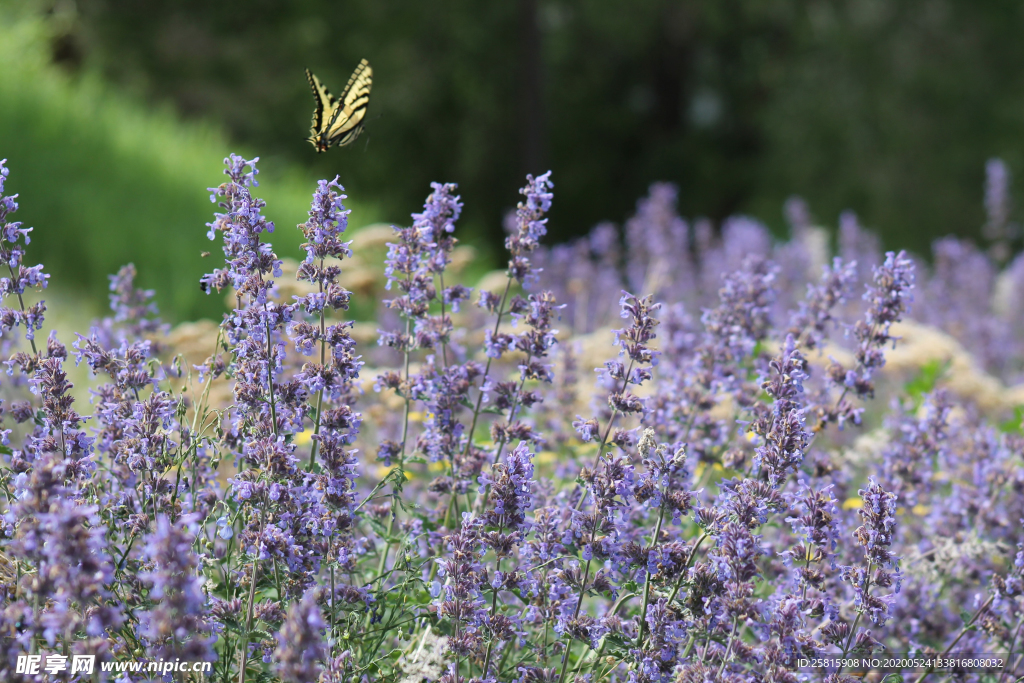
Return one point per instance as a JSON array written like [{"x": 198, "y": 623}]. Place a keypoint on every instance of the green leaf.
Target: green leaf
[
  {"x": 617, "y": 643},
  {"x": 926, "y": 379},
  {"x": 375, "y": 524},
  {"x": 966, "y": 616},
  {"x": 428, "y": 524},
  {"x": 892, "y": 678},
  {"x": 1015, "y": 425}
]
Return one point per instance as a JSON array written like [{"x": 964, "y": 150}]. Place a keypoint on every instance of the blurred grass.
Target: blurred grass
[{"x": 105, "y": 181}]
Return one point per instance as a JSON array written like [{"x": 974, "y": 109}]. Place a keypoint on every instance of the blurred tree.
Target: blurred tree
[
  {"x": 886, "y": 107},
  {"x": 893, "y": 108},
  {"x": 610, "y": 94}
]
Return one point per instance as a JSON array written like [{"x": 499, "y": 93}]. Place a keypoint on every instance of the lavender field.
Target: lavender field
[{"x": 673, "y": 451}]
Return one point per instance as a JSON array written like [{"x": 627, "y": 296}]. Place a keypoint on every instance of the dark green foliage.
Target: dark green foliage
[
  {"x": 611, "y": 95},
  {"x": 926, "y": 380},
  {"x": 105, "y": 183},
  {"x": 889, "y": 109}
]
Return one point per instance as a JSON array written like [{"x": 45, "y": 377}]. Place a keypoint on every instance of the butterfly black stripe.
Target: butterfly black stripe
[{"x": 339, "y": 121}]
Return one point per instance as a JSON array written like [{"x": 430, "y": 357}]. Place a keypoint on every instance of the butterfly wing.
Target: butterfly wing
[
  {"x": 323, "y": 114},
  {"x": 345, "y": 124}
]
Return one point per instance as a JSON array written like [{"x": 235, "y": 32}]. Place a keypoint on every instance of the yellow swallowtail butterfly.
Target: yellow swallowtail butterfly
[{"x": 339, "y": 121}]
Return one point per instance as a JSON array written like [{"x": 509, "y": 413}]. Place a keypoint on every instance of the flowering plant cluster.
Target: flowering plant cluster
[{"x": 670, "y": 454}]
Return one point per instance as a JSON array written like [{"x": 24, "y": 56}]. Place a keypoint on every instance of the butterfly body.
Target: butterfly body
[{"x": 339, "y": 121}]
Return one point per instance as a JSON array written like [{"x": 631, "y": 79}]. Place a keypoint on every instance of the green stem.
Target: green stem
[
  {"x": 444, "y": 342},
  {"x": 21, "y": 301},
  {"x": 579, "y": 604},
  {"x": 689, "y": 646},
  {"x": 1013, "y": 641},
  {"x": 476, "y": 408},
  {"x": 963, "y": 631},
  {"x": 593, "y": 533},
  {"x": 494, "y": 608},
  {"x": 608, "y": 430},
  {"x": 124, "y": 558},
  {"x": 647, "y": 581},
  {"x": 487, "y": 369},
  {"x": 333, "y": 600},
  {"x": 600, "y": 648},
  {"x": 203, "y": 407},
  {"x": 689, "y": 561},
  {"x": 401, "y": 457},
  {"x": 270, "y": 370},
  {"x": 501, "y": 442},
  {"x": 728, "y": 649},
  {"x": 504, "y": 658},
  {"x": 37, "y": 608},
  {"x": 277, "y": 581},
  {"x": 243, "y": 652},
  {"x": 823, "y": 423},
  {"x": 320, "y": 394},
  {"x": 849, "y": 641},
  {"x": 807, "y": 564},
  {"x": 387, "y": 547}
]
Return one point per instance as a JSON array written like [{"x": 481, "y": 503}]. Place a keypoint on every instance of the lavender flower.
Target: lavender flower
[
  {"x": 815, "y": 523},
  {"x": 660, "y": 655},
  {"x": 797, "y": 213},
  {"x": 134, "y": 309},
  {"x": 658, "y": 246},
  {"x": 328, "y": 219},
  {"x": 460, "y": 598},
  {"x": 22, "y": 277},
  {"x": 242, "y": 225},
  {"x": 809, "y": 324},
  {"x": 68, "y": 546},
  {"x": 634, "y": 343},
  {"x": 685, "y": 550},
  {"x": 436, "y": 224},
  {"x": 908, "y": 462},
  {"x": 61, "y": 431},
  {"x": 875, "y": 536},
  {"x": 997, "y": 199},
  {"x": 176, "y": 626},
  {"x": 254, "y": 326},
  {"x": 888, "y": 298},
  {"x": 784, "y": 438},
  {"x": 510, "y": 490},
  {"x": 423, "y": 251},
  {"x": 529, "y": 226},
  {"x": 537, "y": 312},
  {"x": 741, "y": 319},
  {"x": 300, "y": 651},
  {"x": 444, "y": 391}
]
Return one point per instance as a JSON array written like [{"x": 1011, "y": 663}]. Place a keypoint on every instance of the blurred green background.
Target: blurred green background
[{"x": 115, "y": 115}]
